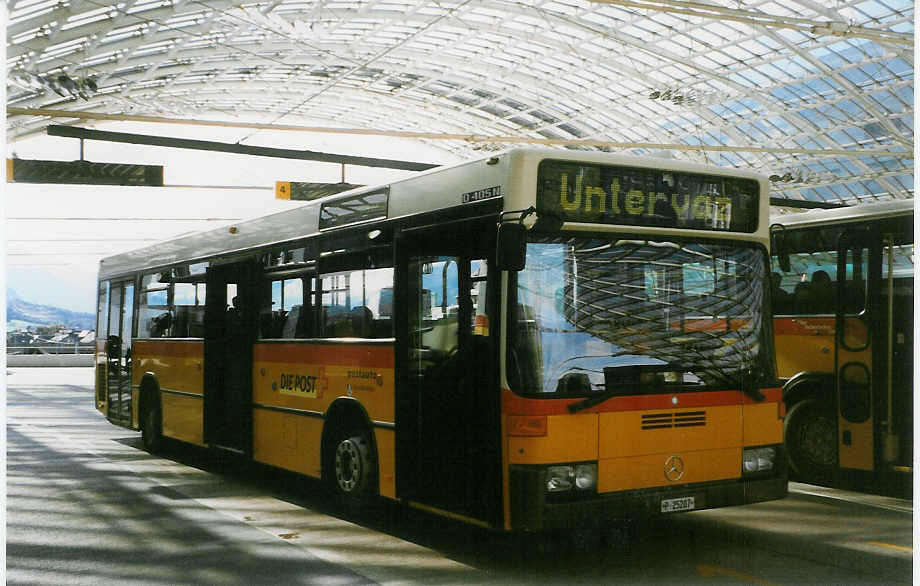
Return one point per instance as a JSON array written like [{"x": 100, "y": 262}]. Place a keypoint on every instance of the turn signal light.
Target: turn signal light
[{"x": 526, "y": 425}]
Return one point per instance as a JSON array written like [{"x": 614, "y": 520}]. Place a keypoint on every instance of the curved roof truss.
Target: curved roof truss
[{"x": 821, "y": 93}]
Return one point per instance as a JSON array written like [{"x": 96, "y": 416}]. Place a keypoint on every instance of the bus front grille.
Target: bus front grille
[{"x": 671, "y": 420}]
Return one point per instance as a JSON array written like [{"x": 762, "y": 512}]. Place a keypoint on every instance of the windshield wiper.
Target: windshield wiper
[
  {"x": 592, "y": 401},
  {"x": 748, "y": 384}
]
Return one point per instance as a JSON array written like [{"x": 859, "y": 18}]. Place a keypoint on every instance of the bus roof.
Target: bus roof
[
  {"x": 857, "y": 213},
  {"x": 436, "y": 189}
]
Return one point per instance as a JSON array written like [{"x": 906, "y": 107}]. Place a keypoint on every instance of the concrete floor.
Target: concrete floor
[{"x": 86, "y": 505}]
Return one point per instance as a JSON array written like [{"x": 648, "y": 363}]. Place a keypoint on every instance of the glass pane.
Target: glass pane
[
  {"x": 479, "y": 272},
  {"x": 809, "y": 286},
  {"x": 286, "y": 316},
  {"x": 433, "y": 315},
  {"x": 128, "y": 320},
  {"x": 184, "y": 294},
  {"x": 115, "y": 311},
  {"x": 293, "y": 293},
  {"x": 358, "y": 304},
  {"x": 854, "y": 292},
  {"x": 589, "y": 308},
  {"x": 153, "y": 318},
  {"x": 102, "y": 311}
]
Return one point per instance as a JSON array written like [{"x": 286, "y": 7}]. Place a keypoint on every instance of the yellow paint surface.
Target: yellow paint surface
[
  {"x": 622, "y": 435},
  {"x": 287, "y": 441},
  {"x": 569, "y": 438},
  {"x": 178, "y": 365},
  {"x": 797, "y": 353},
  {"x": 762, "y": 425},
  {"x": 859, "y": 454},
  {"x": 647, "y": 471},
  {"x": 386, "y": 461},
  {"x": 183, "y": 417}
]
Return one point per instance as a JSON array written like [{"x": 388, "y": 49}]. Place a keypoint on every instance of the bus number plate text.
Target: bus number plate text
[{"x": 687, "y": 503}]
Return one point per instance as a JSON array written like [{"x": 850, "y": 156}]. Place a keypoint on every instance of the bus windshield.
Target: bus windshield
[{"x": 642, "y": 316}]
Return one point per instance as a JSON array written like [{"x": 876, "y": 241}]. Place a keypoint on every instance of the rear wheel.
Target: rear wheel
[
  {"x": 152, "y": 427},
  {"x": 353, "y": 466},
  {"x": 811, "y": 441}
]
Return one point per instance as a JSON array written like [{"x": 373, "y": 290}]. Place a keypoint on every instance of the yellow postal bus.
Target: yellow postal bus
[
  {"x": 843, "y": 320},
  {"x": 536, "y": 340}
]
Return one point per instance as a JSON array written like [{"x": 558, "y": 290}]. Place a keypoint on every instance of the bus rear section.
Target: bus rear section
[{"x": 640, "y": 381}]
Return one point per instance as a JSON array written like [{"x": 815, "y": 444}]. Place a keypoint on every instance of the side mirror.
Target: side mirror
[
  {"x": 778, "y": 244},
  {"x": 510, "y": 246}
]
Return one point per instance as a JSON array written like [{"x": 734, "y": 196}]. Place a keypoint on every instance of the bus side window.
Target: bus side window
[
  {"x": 154, "y": 318},
  {"x": 479, "y": 273},
  {"x": 357, "y": 304},
  {"x": 781, "y": 299},
  {"x": 854, "y": 281},
  {"x": 188, "y": 308},
  {"x": 284, "y": 311}
]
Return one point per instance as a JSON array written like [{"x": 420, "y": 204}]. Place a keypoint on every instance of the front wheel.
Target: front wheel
[
  {"x": 354, "y": 469},
  {"x": 811, "y": 441},
  {"x": 152, "y": 428}
]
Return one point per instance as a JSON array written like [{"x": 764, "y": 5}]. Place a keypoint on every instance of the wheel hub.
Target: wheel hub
[
  {"x": 347, "y": 465},
  {"x": 818, "y": 439}
]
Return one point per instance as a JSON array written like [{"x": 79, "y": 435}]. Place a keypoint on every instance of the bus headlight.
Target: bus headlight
[
  {"x": 568, "y": 477},
  {"x": 586, "y": 476},
  {"x": 754, "y": 460}
]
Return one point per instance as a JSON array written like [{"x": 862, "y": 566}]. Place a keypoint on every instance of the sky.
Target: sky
[{"x": 56, "y": 234}]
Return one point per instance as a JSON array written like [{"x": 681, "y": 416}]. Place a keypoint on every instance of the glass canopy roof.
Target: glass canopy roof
[{"x": 817, "y": 94}]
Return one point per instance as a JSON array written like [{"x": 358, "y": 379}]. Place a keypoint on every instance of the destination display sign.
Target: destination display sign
[{"x": 635, "y": 196}]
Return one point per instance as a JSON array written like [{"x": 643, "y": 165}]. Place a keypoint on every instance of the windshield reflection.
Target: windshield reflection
[{"x": 595, "y": 314}]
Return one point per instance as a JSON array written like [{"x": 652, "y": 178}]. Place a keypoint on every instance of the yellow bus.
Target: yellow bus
[
  {"x": 537, "y": 340},
  {"x": 843, "y": 321}
]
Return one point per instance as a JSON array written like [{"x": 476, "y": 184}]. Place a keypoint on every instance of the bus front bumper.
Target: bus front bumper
[{"x": 532, "y": 511}]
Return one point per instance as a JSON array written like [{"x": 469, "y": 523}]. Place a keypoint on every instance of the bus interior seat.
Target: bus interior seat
[
  {"x": 159, "y": 325},
  {"x": 442, "y": 337},
  {"x": 180, "y": 324},
  {"x": 336, "y": 321},
  {"x": 289, "y": 329},
  {"x": 361, "y": 321},
  {"x": 802, "y": 298},
  {"x": 196, "y": 321}
]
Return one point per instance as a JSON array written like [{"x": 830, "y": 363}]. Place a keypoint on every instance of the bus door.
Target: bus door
[
  {"x": 896, "y": 362},
  {"x": 118, "y": 351},
  {"x": 447, "y": 429},
  {"x": 231, "y": 317},
  {"x": 855, "y": 325}
]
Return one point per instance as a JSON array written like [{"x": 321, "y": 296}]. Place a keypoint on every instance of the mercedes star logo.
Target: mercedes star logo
[{"x": 673, "y": 468}]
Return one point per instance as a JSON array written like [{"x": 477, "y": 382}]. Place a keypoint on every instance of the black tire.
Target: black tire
[
  {"x": 811, "y": 441},
  {"x": 352, "y": 474},
  {"x": 152, "y": 427}
]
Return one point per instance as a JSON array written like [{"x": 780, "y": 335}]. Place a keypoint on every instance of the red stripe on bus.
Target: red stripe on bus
[
  {"x": 381, "y": 356},
  {"x": 516, "y": 405}
]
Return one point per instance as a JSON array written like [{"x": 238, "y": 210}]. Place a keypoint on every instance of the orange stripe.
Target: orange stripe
[
  {"x": 513, "y": 404},
  {"x": 176, "y": 348},
  {"x": 330, "y": 354}
]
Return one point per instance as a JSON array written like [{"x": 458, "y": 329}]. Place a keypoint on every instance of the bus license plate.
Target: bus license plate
[{"x": 687, "y": 503}]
